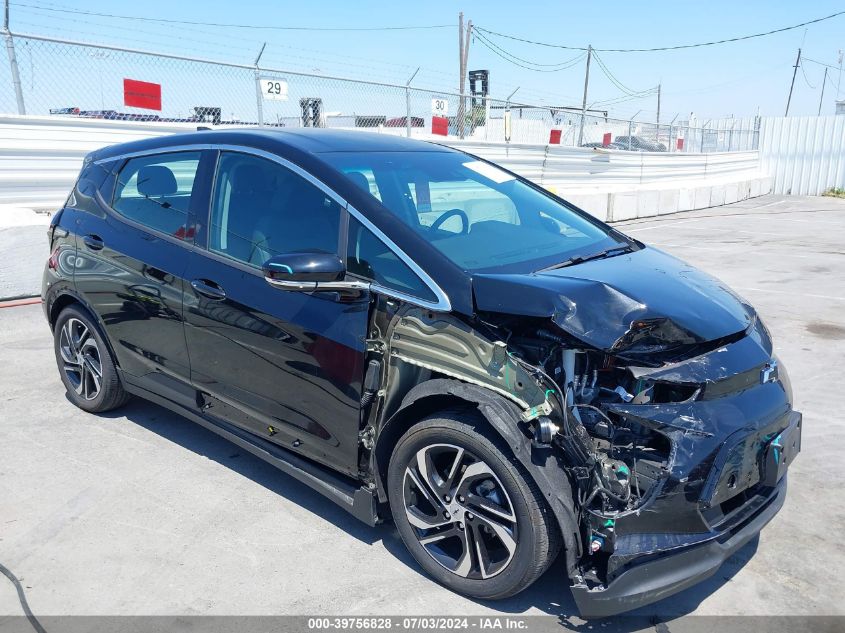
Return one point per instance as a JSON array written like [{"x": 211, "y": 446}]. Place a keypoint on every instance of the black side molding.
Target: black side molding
[{"x": 355, "y": 499}]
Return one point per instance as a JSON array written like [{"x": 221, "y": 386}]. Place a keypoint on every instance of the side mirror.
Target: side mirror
[{"x": 309, "y": 272}]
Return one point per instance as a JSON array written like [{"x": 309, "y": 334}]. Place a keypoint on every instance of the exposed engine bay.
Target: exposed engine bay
[{"x": 634, "y": 425}]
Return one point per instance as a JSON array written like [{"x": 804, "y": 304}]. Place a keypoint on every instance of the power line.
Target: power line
[
  {"x": 237, "y": 26},
  {"x": 667, "y": 48},
  {"x": 807, "y": 59},
  {"x": 619, "y": 84},
  {"x": 511, "y": 58},
  {"x": 807, "y": 81}
]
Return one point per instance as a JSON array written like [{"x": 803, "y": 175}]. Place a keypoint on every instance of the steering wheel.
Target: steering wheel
[{"x": 451, "y": 213}]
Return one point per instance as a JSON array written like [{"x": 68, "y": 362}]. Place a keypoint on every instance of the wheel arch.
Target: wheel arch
[
  {"x": 500, "y": 416},
  {"x": 69, "y": 298}
]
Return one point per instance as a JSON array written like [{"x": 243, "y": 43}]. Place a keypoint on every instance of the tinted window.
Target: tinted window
[
  {"x": 367, "y": 256},
  {"x": 262, "y": 209},
  {"x": 479, "y": 216},
  {"x": 156, "y": 191}
]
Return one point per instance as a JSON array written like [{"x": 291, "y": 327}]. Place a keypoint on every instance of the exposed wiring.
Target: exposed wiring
[
  {"x": 22, "y": 599},
  {"x": 667, "y": 48}
]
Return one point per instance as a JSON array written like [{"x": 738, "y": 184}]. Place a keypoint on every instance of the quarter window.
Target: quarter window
[
  {"x": 368, "y": 257},
  {"x": 156, "y": 191},
  {"x": 262, "y": 209}
]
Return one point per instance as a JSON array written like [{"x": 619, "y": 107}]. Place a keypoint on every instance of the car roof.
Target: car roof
[{"x": 307, "y": 140}]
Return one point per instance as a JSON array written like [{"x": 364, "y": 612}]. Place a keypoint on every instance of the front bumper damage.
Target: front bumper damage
[
  {"x": 675, "y": 570},
  {"x": 725, "y": 479},
  {"x": 661, "y": 565}
]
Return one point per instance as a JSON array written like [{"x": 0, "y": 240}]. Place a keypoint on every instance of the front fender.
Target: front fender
[{"x": 503, "y": 417}]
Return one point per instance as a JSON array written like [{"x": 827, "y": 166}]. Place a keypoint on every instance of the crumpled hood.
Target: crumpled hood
[{"x": 643, "y": 298}]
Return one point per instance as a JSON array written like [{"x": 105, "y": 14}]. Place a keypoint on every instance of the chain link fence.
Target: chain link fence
[{"x": 54, "y": 77}]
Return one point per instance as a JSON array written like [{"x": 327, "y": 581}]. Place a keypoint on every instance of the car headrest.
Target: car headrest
[
  {"x": 359, "y": 179},
  {"x": 156, "y": 180}
]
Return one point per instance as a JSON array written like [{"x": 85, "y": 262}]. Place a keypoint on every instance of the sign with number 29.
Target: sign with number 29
[{"x": 274, "y": 89}]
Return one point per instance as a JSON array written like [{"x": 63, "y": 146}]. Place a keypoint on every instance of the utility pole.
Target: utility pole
[
  {"x": 584, "y": 101},
  {"x": 13, "y": 60},
  {"x": 463, "y": 56},
  {"x": 792, "y": 85},
  {"x": 821, "y": 99}
]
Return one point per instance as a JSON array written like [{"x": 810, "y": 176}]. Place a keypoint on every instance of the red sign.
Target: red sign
[
  {"x": 440, "y": 125},
  {"x": 680, "y": 143},
  {"x": 141, "y": 94},
  {"x": 605, "y": 140},
  {"x": 554, "y": 137}
]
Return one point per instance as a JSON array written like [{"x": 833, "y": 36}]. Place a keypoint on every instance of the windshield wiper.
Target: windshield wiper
[{"x": 578, "y": 259}]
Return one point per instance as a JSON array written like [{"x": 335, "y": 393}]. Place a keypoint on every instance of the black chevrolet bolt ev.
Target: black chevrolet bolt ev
[{"x": 421, "y": 335}]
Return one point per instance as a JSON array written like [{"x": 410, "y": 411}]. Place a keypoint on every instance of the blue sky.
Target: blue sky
[{"x": 730, "y": 79}]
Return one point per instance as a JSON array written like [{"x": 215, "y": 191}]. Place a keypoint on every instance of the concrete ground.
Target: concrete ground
[
  {"x": 142, "y": 512},
  {"x": 23, "y": 250}
]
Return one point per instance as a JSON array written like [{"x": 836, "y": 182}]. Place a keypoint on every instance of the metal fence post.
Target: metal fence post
[
  {"x": 408, "y": 103},
  {"x": 630, "y": 131},
  {"x": 259, "y": 98},
  {"x": 13, "y": 63}
]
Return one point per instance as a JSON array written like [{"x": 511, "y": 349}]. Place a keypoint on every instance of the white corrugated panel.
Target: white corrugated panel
[
  {"x": 804, "y": 155},
  {"x": 41, "y": 156}
]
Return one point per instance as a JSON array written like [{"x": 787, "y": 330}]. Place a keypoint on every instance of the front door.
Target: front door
[{"x": 284, "y": 365}]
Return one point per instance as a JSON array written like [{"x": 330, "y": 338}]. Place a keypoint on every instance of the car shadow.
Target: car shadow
[{"x": 549, "y": 594}]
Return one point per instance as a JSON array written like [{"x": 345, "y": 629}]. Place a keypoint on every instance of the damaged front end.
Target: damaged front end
[
  {"x": 681, "y": 457},
  {"x": 674, "y": 433}
]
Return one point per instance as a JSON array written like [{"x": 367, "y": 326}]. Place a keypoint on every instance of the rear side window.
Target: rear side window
[
  {"x": 156, "y": 191},
  {"x": 262, "y": 209}
]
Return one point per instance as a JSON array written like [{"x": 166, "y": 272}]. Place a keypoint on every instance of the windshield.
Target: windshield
[{"x": 480, "y": 217}]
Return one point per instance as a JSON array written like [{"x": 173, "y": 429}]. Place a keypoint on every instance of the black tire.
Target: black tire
[
  {"x": 80, "y": 349},
  {"x": 533, "y": 528}
]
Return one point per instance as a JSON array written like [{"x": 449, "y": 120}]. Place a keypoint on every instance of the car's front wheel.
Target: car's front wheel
[
  {"x": 85, "y": 363},
  {"x": 466, "y": 509}
]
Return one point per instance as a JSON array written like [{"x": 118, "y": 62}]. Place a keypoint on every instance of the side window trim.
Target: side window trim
[{"x": 442, "y": 302}]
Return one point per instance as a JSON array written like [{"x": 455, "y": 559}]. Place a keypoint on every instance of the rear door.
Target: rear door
[
  {"x": 284, "y": 365},
  {"x": 133, "y": 249}
]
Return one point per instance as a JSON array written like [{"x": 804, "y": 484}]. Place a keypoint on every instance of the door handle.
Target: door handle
[
  {"x": 94, "y": 242},
  {"x": 208, "y": 289}
]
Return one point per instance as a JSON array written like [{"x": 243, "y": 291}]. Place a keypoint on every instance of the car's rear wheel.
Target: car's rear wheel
[
  {"x": 466, "y": 509},
  {"x": 85, "y": 363}
]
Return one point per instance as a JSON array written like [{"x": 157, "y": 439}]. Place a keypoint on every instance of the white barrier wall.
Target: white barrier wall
[
  {"x": 804, "y": 155},
  {"x": 41, "y": 156}
]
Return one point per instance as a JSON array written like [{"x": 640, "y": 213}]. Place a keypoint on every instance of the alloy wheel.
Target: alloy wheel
[
  {"x": 460, "y": 511},
  {"x": 81, "y": 359}
]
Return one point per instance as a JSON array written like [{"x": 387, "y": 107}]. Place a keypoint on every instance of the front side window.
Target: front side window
[
  {"x": 477, "y": 215},
  {"x": 262, "y": 209},
  {"x": 156, "y": 191},
  {"x": 368, "y": 257}
]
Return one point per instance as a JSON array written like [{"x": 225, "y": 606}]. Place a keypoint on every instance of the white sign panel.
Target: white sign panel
[
  {"x": 439, "y": 107},
  {"x": 274, "y": 89}
]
